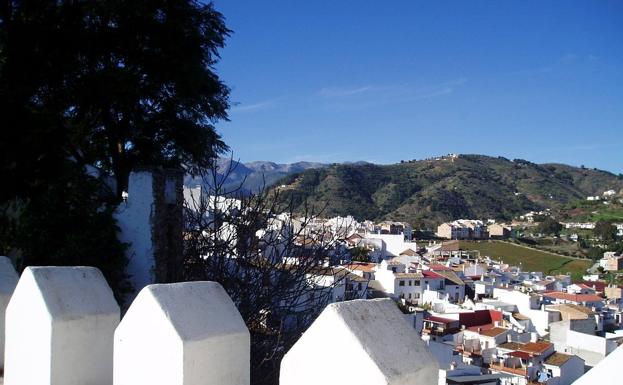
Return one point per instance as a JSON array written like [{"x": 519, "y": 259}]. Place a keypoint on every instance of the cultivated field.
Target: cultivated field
[{"x": 530, "y": 259}]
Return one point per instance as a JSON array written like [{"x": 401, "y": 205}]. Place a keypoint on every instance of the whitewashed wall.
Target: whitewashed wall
[{"x": 134, "y": 218}]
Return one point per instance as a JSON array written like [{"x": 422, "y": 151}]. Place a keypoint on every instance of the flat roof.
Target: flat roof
[{"x": 483, "y": 378}]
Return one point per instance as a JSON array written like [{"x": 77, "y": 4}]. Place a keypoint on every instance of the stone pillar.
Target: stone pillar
[
  {"x": 60, "y": 324},
  {"x": 363, "y": 342},
  {"x": 182, "y": 334},
  {"x": 8, "y": 281}
]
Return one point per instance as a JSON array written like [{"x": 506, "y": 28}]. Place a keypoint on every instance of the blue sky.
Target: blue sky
[{"x": 382, "y": 81}]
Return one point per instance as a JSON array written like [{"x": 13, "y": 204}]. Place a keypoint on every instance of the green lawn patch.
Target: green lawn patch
[{"x": 530, "y": 259}]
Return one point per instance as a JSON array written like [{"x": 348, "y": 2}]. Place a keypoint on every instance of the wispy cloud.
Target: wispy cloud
[
  {"x": 564, "y": 61},
  {"x": 258, "y": 106},
  {"x": 343, "y": 91},
  {"x": 356, "y": 97},
  {"x": 435, "y": 90}
]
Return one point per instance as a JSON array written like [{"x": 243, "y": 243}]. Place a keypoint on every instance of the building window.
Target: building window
[
  {"x": 416, "y": 283},
  {"x": 401, "y": 283},
  {"x": 410, "y": 283},
  {"x": 409, "y": 295},
  {"x": 417, "y": 295}
]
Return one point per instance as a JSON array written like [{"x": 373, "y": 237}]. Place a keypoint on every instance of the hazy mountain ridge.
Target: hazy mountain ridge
[{"x": 254, "y": 175}]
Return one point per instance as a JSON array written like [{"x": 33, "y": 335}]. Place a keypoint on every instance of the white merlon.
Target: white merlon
[
  {"x": 605, "y": 372},
  {"x": 60, "y": 324},
  {"x": 364, "y": 342},
  {"x": 8, "y": 281},
  {"x": 182, "y": 334}
]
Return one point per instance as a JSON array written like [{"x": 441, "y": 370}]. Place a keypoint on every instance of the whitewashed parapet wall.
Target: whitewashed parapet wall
[
  {"x": 8, "y": 281},
  {"x": 61, "y": 328},
  {"x": 60, "y": 325},
  {"x": 361, "y": 342},
  {"x": 182, "y": 334}
]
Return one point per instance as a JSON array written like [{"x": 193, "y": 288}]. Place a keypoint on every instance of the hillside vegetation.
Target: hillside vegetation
[{"x": 427, "y": 192}]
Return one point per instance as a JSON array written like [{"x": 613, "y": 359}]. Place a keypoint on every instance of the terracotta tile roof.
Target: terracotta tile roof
[
  {"x": 480, "y": 318},
  {"x": 572, "y": 311},
  {"x": 493, "y": 332},
  {"x": 408, "y": 275},
  {"x": 510, "y": 345},
  {"x": 535, "y": 347},
  {"x": 584, "y": 286},
  {"x": 441, "y": 320},
  {"x": 409, "y": 252},
  {"x": 480, "y": 328},
  {"x": 432, "y": 274},
  {"x": 452, "y": 277},
  {"x": 520, "y": 354},
  {"x": 557, "y": 359},
  {"x": 361, "y": 266},
  {"x": 438, "y": 267},
  {"x": 573, "y": 297},
  {"x": 520, "y": 317}
]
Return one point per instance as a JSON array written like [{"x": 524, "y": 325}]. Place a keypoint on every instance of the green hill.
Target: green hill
[{"x": 426, "y": 192}]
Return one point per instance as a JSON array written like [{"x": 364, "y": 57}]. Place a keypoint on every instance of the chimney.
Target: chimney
[
  {"x": 453, "y": 365},
  {"x": 533, "y": 337}
]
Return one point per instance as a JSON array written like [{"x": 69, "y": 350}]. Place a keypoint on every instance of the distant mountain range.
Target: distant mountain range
[
  {"x": 427, "y": 192},
  {"x": 252, "y": 176}
]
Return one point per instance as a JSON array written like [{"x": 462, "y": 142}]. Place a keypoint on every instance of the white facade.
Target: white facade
[
  {"x": 182, "y": 334},
  {"x": 8, "y": 281},
  {"x": 606, "y": 372},
  {"x": 394, "y": 243},
  {"x": 59, "y": 328},
  {"x": 591, "y": 348},
  {"x": 566, "y": 373},
  {"x": 527, "y": 305}
]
